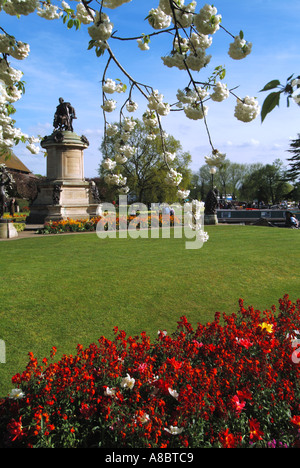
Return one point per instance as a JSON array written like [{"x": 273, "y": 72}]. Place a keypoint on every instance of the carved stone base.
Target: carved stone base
[
  {"x": 7, "y": 229},
  {"x": 65, "y": 193},
  {"x": 210, "y": 219}
]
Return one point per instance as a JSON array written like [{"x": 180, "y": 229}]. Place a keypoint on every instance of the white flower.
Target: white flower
[
  {"x": 247, "y": 110},
  {"x": 201, "y": 41},
  {"x": 142, "y": 44},
  {"x": 182, "y": 194},
  {"x": 48, "y": 11},
  {"x": 198, "y": 59},
  {"x": 207, "y": 21},
  {"x": 114, "y": 3},
  {"x": 158, "y": 19},
  {"x": 195, "y": 112},
  {"x": 131, "y": 106},
  {"x": 102, "y": 28},
  {"x": 239, "y": 49},
  {"x": 169, "y": 157},
  {"x": 128, "y": 382},
  {"x": 127, "y": 150},
  {"x": 220, "y": 93},
  {"x": 20, "y": 50},
  {"x": 110, "y": 392},
  {"x": 120, "y": 159},
  {"x": 16, "y": 394},
  {"x": 174, "y": 60},
  {"x": 216, "y": 159},
  {"x": 33, "y": 148},
  {"x": 174, "y": 430},
  {"x": 84, "y": 16},
  {"x": 173, "y": 393},
  {"x": 109, "y": 86},
  {"x": 150, "y": 119},
  {"x": 109, "y": 105},
  {"x": 144, "y": 418},
  {"x": 108, "y": 164},
  {"x": 173, "y": 177},
  {"x": 123, "y": 190},
  {"x": 184, "y": 15},
  {"x": 128, "y": 124},
  {"x": 111, "y": 129}
]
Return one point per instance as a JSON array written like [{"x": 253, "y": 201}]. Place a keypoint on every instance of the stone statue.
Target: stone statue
[
  {"x": 211, "y": 202},
  {"x": 4, "y": 179},
  {"x": 95, "y": 192},
  {"x": 56, "y": 194},
  {"x": 64, "y": 115}
]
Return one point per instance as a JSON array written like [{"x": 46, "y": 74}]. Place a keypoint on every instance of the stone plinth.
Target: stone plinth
[
  {"x": 65, "y": 193},
  {"x": 210, "y": 219},
  {"x": 7, "y": 229}
]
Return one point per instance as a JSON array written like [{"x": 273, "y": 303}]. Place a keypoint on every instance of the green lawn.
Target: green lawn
[{"x": 69, "y": 289}]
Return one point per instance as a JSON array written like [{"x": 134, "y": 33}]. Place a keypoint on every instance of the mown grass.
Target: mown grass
[{"x": 69, "y": 289}]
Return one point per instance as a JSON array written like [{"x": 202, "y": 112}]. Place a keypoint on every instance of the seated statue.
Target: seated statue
[
  {"x": 211, "y": 202},
  {"x": 64, "y": 115}
]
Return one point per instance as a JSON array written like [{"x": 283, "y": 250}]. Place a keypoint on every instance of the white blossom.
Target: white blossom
[
  {"x": 216, "y": 159},
  {"x": 84, "y": 16},
  {"x": 16, "y": 394},
  {"x": 220, "y": 93},
  {"x": 239, "y": 49},
  {"x": 207, "y": 21},
  {"x": 174, "y": 430},
  {"x": 109, "y": 86},
  {"x": 111, "y": 129},
  {"x": 158, "y": 19},
  {"x": 142, "y": 44},
  {"x": 173, "y": 177},
  {"x": 173, "y": 393},
  {"x": 48, "y": 11},
  {"x": 247, "y": 109},
  {"x": 102, "y": 28},
  {"x": 131, "y": 106},
  {"x": 182, "y": 194},
  {"x": 195, "y": 111},
  {"x": 109, "y": 105},
  {"x": 128, "y": 382},
  {"x": 120, "y": 158},
  {"x": 109, "y": 164},
  {"x": 184, "y": 15},
  {"x": 114, "y": 3},
  {"x": 169, "y": 157},
  {"x": 33, "y": 148}
]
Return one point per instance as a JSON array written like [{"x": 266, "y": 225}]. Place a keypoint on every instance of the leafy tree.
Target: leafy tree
[
  {"x": 294, "y": 171},
  {"x": 266, "y": 184},
  {"x": 146, "y": 170}
]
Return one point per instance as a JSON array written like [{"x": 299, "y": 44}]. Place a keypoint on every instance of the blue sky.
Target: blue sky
[{"x": 59, "y": 64}]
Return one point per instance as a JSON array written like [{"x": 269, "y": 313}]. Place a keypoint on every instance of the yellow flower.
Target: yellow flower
[{"x": 267, "y": 326}]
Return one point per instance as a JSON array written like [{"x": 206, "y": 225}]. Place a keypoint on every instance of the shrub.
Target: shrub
[{"x": 232, "y": 383}]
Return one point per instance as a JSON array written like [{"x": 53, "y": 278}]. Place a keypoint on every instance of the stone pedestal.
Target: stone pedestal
[
  {"x": 65, "y": 193},
  {"x": 210, "y": 219},
  {"x": 7, "y": 229}
]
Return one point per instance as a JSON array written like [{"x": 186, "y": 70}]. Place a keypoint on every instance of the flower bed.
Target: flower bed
[
  {"x": 231, "y": 384},
  {"x": 108, "y": 222}
]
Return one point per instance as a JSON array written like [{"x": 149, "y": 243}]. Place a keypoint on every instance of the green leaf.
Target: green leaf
[
  {"x": 269, "y": 104},
  {"x": 271, "y": 85},
  {"x": 241, "y": 35}
]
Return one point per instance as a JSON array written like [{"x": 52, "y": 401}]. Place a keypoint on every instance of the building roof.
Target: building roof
[{"x": 14, "y": 163}]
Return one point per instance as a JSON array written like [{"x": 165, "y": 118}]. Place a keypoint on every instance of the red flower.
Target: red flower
[
  {"x": 255, "y": 432},
  {"x": 15, "y": 428}
]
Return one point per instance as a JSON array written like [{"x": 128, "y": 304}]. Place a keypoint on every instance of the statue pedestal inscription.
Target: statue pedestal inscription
[{"x": 65, "y": 193}]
